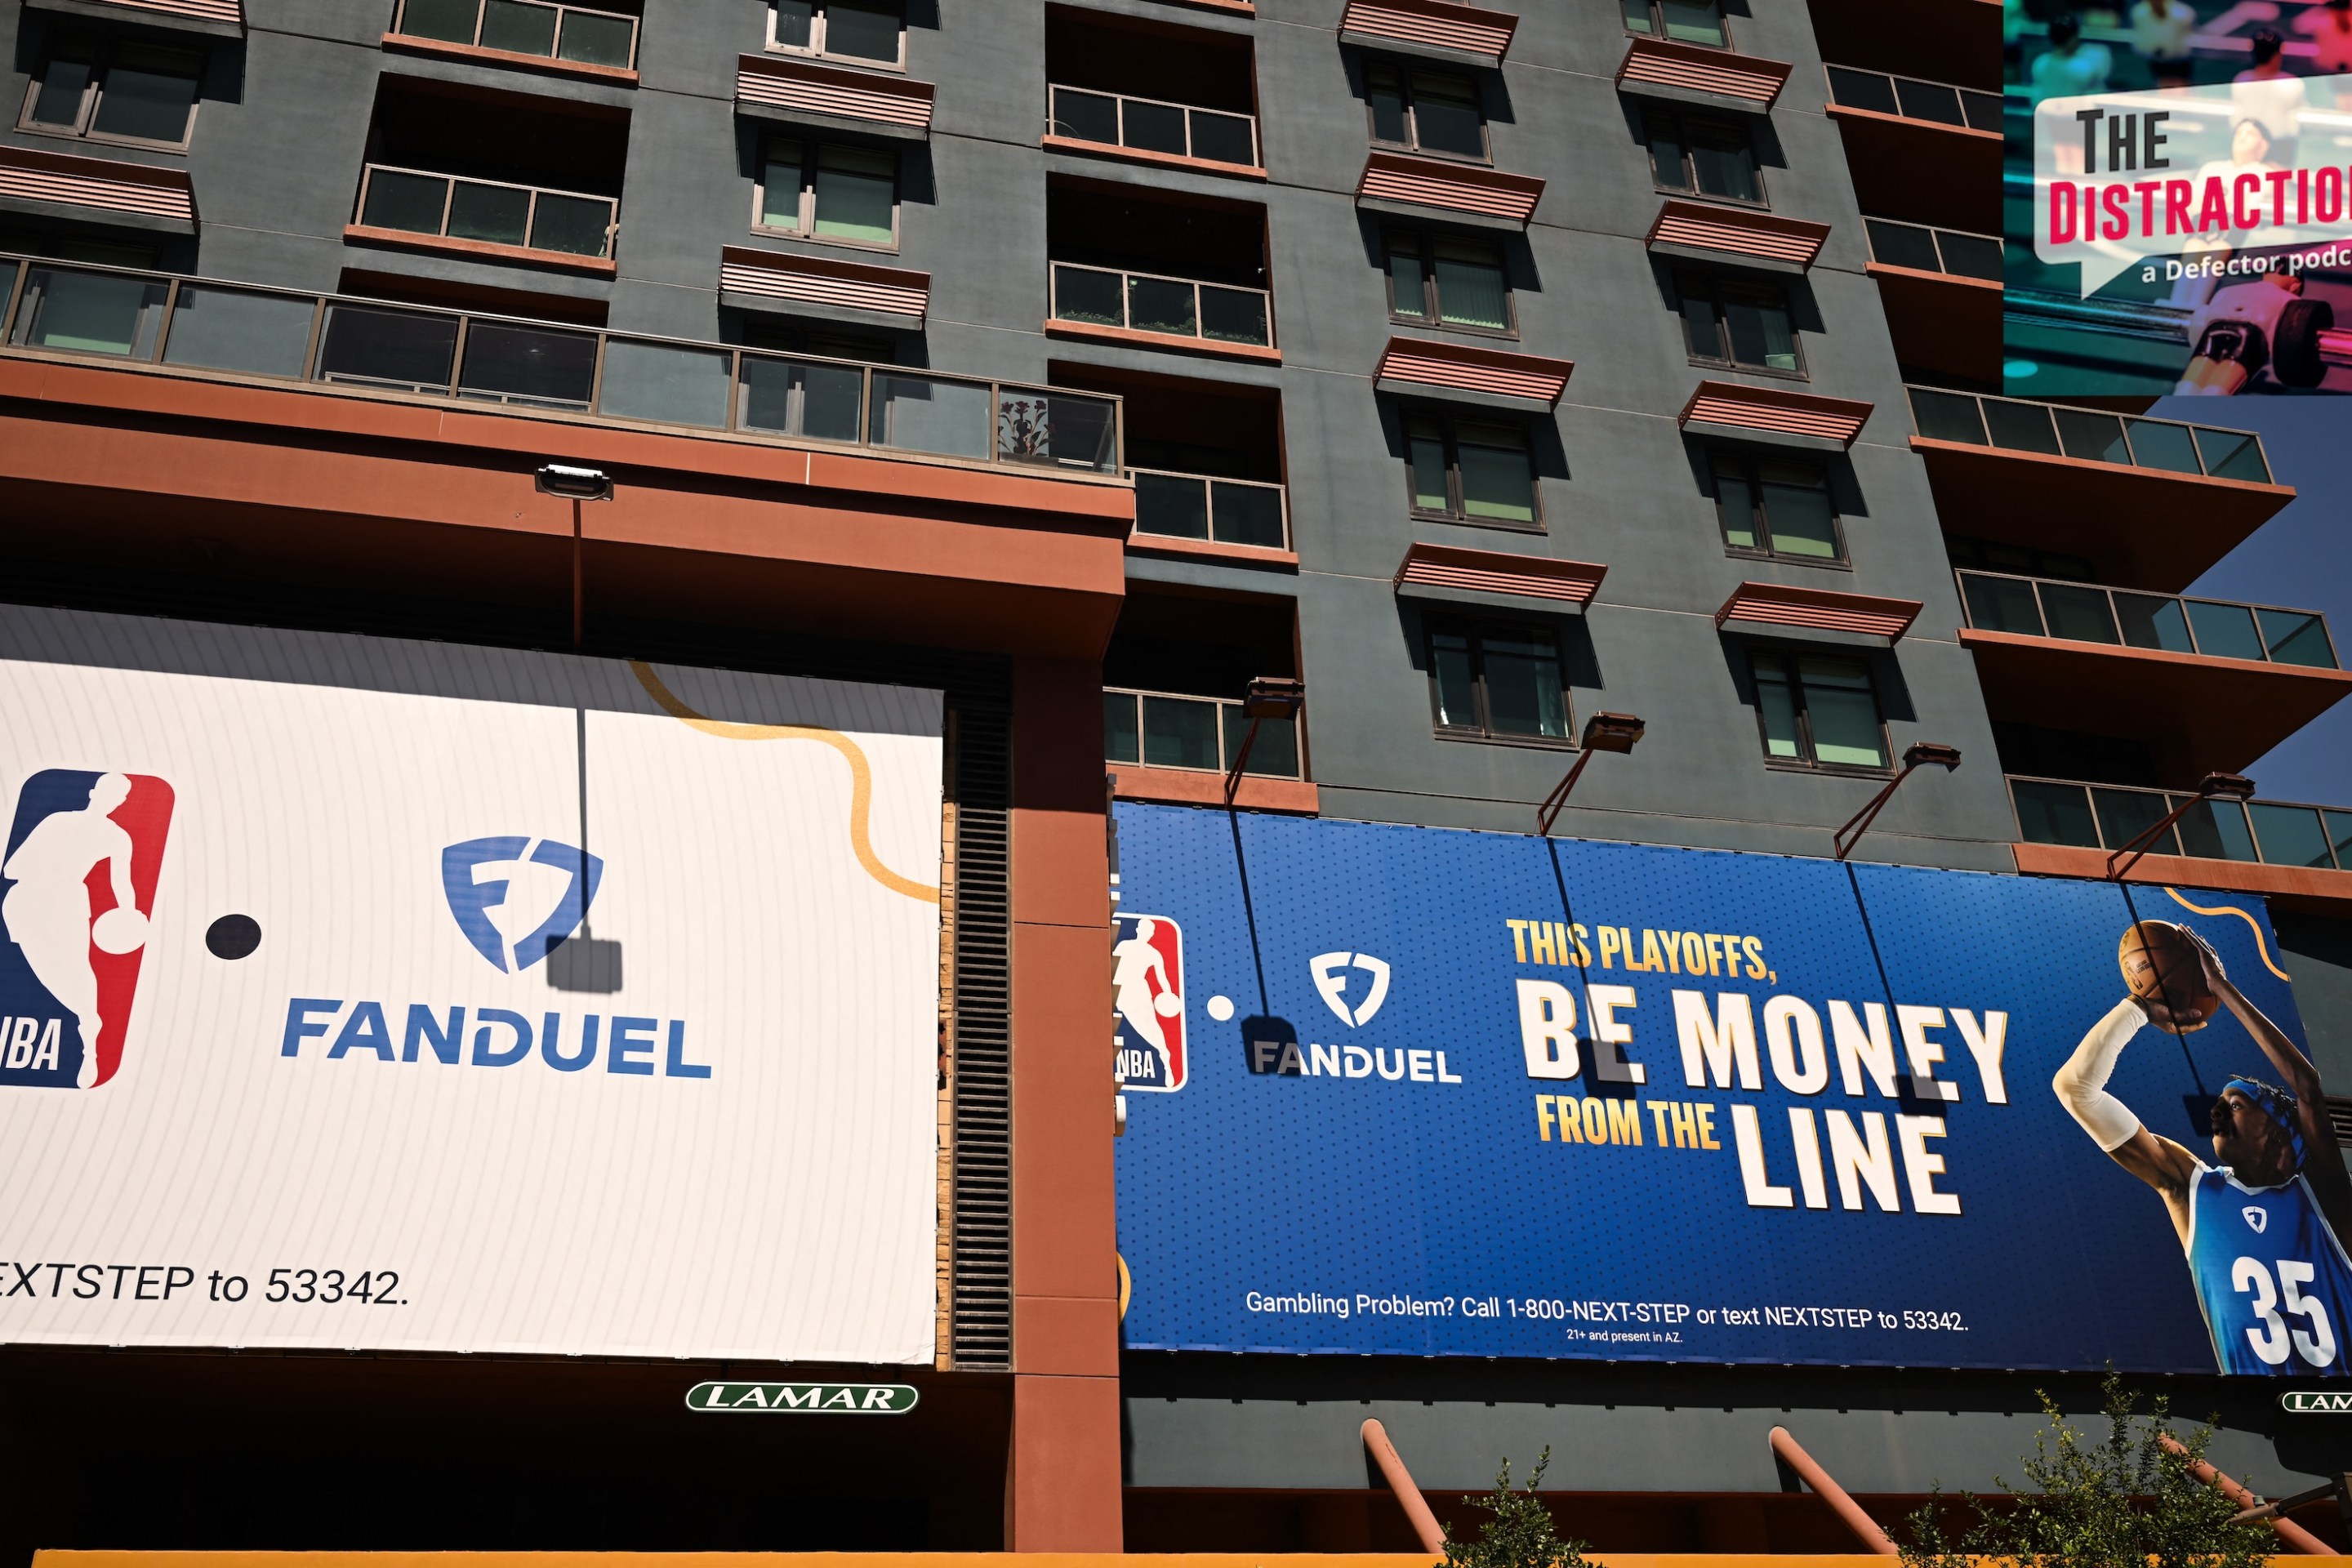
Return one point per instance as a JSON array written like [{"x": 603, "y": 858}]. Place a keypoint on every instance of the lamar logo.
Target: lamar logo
[
  {"x": 517, "y": 899},
  {"x": 809, "y": 1398},
  {"x": 2315, "y": 1403},
  {"x": 1330, "y": 969},
  {"x": 84, "y": 849}
]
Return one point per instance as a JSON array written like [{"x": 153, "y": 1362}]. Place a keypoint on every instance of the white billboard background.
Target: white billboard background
[{"x": 783, "y": 1207}]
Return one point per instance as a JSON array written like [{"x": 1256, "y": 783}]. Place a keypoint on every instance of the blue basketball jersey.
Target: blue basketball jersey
[{"x": 2273, "y": 1281}]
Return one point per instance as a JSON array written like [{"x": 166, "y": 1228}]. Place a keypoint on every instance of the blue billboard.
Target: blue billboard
[{"x": 1420, "y": 1091}]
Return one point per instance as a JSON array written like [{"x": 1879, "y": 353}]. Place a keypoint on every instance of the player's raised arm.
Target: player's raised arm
[
  {"x": 2081, "y": 1088},
  {"x": 2329, "y": 1182}
]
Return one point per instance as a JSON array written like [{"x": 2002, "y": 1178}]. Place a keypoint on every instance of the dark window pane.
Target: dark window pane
[
  {"x": 1470, "y": 291},
  {"x": 1234, "y": 315},
  {"x": 2230, "y": 454},
  {"x": 2150, "y": 621},
  {"x": 62, "y": 85},
  {"x": 1155, "y": 127},
  {"x": 528, "y": 364},
  {"x": 1637, "y": 16},
  {"x": 1064, "y": 430},
  {"x": 1902, "y": 245},
  {"x": 1122, "y": 741},
  {"x": 1498, "y": 485},
  {"x": 410, "y": 203},
  {"x": 664, "y": 383},
  {"x": 1666, "y": 154},
  {"x": 1408, "y": 288},
  {"x": 1180, "y": 732},
  {"x": 597, "y": 40},
  {"x": 1843, "y": 712},
  {"x": 1083, "y": 294},
  {"x": 2078, "y": 615},
  {"x": 2125, "y": 814},
  {"x": 1723, "y": 164},
  {"x": 1272, "y": 754},
  {"x": 94, "y": 312},
  {"x": 2155, "y": 444},
  {"x": 2002, "y": 605},
  {"x": 1972, "y": 256},
  {"x": 1446, "y": 115},
  {"x": 2096, "y": 437},
  {"x": 795, "y": 23},
  {"x": 1702, "y": 326},
  {"x": 2339, "y": 835},
  {"x": 388, "y": 348},
  {"x": 1224, "y": 137},
  {"x": 498, "y": 214},
  {"x": 1735, "y": 502},
  {"x": 1758, "y": 328},
  {"x": 1160, "y": 305},
  {"x": 794, "y": 398},
  {"x": 1457, "y": 696},
  {"x": 524, "y": 29},
  {"x": 2291, "y": 835},
  {"x": 1523, "y": 686},
  {"x": 1175, "y": 506},
  {"x": 2055, "y": 814},
  {"x": 573, "y": 225},
  {"x": 2296, "y": 638},
  {"x": 1087, "y": 116},
  {"x": 856, "y": 195},
  {"x": 451, "y": 21},
  {"x": 1776, "y": 704},
  {"x": 1947, "y": 417},
  {"x": 862, "y": 29},
  {"x": 1425, "y": 456},
  {"x": 1929, "y": 100},
  {"x": 2020, "y": 427},
  {"x": 1797, "y": 510},
  {"x": 2216, "y": 830},
  {"x": 1247, "y": 514},
  {"x": 1693, "y": 22},
  {"x": 829, "y": 399},
  {"x": 147, "y": 95},
  {"x": 923, "y": 414},
  {"x": 1385, "y": 92},
  {"x": 1863, "y": 89},
  {"x": 225, "y": 329},
  {"x": 2224, "y": 631}
]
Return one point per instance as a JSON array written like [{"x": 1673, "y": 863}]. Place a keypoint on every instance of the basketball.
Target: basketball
[
  {"x": 119, "y": 930},
  {"x": 2160, "y": 963},
  {"x": 1168, "y": 1003}
]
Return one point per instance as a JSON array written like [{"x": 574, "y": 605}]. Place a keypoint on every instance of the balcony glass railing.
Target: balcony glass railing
[
  {"x": 2084, "y": 612},
  {"x": 2091, "y": 435},
  {"x": 1146, "y": 302},
  {"x": 154, "y": 319},
  {"x": 414, "y": 201},
  {"x": 1151, "y": 125},
  {"x": 572, "y": 33},
  {"x": 1199, "y": 506},
  {"x": 2108, "y": 817},
  {"x": 1938, "y": 103},
  {"x": 1162, "y": 729},
  {"x": 1951, "y": 251}
]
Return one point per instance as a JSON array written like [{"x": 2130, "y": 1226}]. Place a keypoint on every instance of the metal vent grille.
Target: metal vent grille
[{"x": 980, "y": 1263}]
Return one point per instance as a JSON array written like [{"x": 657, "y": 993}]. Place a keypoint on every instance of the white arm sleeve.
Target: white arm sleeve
[{"x": 2082, "y": 1083}]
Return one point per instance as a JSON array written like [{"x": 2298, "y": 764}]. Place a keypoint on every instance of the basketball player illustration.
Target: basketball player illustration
[
  {"x": 46, "y": 909},
  {"x": 2259, "y": 1223},
  {"x": 1136, "y": 963}
]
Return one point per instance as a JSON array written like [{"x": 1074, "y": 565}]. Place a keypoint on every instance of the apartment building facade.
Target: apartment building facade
[{"x": 1386, "y": 386}]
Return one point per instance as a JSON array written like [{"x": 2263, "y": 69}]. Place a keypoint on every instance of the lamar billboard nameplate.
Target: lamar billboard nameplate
[{"x": 806, "y": 1398}]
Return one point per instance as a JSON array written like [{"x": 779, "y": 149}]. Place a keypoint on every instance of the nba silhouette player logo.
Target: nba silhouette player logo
[
  {"x": 76, "y": 886},
  {"x": 1147, "y": 996}
]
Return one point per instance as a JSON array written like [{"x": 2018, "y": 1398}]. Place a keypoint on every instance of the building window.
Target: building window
[
  {"x": 1427, "y": 110},
  {"x": 1467, "y": 470},
  {"x": 1737, "y": 323},
  {"x": 1679, "y": 21},
  {"x": 114, "y": 90},
  {"x": 1702, "y": 157},
  {"x": 870, "y": 32},
  {"x": 1818, "y": 713},
  {"x": 1447, "y": 282},
  {"x": 849, "y": 195},
  {"x": 1498, "y": 680},
  {"x": 1776, "y": 506},
  {"x": 587, "y": 37}
]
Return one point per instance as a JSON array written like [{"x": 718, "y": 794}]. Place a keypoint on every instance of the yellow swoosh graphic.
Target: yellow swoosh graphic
[
  {"x": 861, "y": 773},
  {"x": 2260, "y": 945}
]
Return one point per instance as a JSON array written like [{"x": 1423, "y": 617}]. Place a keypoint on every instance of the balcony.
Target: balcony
[
  {"x": 2206, "y": 684},
  {"x": 159, "y": 322},
  {"x": 2299, "y": 852},
  {"x": 2152, "y": 502},
  {"x": 567, "y": 39},
  {"x": 1942, "y": 290},
  {"x": 1182, "y": 133},
  {"x": 1206, "y": 457},
  {"x": 1170, "y": 312},
  {"x": 1922, "y": 151},
  {"x": 1196, "y": 735},
  {"x": 1243, "y": 513},
  {"x": 554, "y": 225}
]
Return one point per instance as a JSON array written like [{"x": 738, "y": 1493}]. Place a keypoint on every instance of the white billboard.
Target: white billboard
[{"x": 360, "y": 992}]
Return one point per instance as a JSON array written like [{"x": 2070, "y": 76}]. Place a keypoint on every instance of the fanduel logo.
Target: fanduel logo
[
  {"x": 1330, "y": 969},
  {"x": 517, "y": 899}
]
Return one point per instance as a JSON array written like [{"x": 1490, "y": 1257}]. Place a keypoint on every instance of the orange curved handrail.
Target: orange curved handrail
[
  {"x": 1865, "y": 1529},
  {"x": 1416, "y": 1508},
  {"x": 2293, "y": 1534}
]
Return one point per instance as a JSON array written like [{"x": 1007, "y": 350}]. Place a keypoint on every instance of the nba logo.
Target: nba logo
[
  {"x": 1147, "y": 994},
  {"x": 77, "y": 885}
]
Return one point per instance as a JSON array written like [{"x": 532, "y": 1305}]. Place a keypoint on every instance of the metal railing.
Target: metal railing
[
  {"x": 418, "y": 201},
  {"x": 1165, "y": 730},
  {"x": 1152, "y": 125},
  {"x": 575, "y": 33},
  {"x": 1201, "y": 506},
  {"x": 275, "y": 335},
  {"x": 2085, "y": 612},
  {"x": 2091, "y": 435},
  {"x": 2108, "y": 817},
  {"x": 1149, "y": 302},
  {"x": 1938, "y": 103},
  {"x": 1953, "y": 251}
]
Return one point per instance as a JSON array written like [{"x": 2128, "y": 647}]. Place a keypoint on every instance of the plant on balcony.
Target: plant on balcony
[
  {"x": 1519, "y": 1534},
  {"x": 2094, "y": 1502}
]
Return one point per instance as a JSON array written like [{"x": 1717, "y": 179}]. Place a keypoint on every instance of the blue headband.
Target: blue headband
[{"x": 2278, "y": 1104}]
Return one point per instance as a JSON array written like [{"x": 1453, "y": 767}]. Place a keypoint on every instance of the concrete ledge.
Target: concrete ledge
[{"x": 1183, "y": 787}]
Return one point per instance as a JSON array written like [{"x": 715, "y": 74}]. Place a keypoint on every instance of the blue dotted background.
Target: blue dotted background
[{"x": 1286, "y": 1185}]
